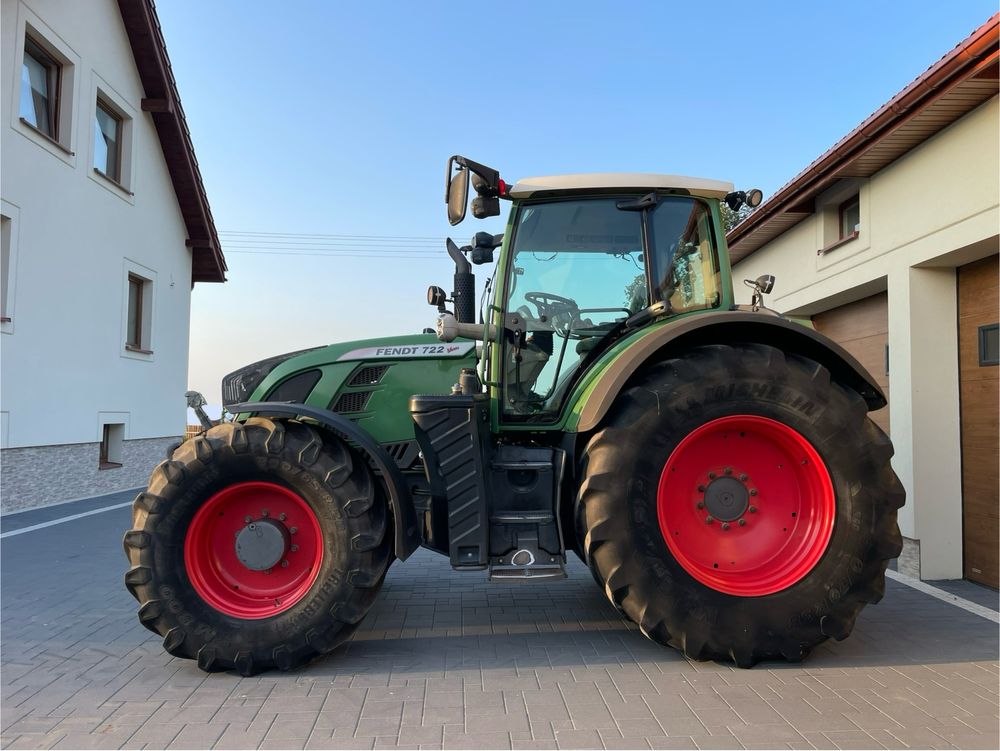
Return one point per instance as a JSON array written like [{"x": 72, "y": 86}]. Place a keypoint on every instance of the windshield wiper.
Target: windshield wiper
[{"x": 647, "y": 201}]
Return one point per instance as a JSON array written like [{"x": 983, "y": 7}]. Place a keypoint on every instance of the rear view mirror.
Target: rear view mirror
[{"x": 456, "y": 191}]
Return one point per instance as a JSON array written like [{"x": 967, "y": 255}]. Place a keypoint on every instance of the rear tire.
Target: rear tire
[
  {"x": 773, "y": 431},
  {"x": 212, "y": 601}
]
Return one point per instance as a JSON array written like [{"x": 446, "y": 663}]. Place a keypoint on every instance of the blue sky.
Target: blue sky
[{"x": 331, "y": 118}]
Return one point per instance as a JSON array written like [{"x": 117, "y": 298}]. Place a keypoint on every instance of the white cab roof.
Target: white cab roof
[{"x": 698, "y": 186}]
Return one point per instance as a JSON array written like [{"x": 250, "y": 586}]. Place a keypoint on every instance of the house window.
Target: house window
[
  {"x": 137, "y": 323},
  {"x": 850, "y": 218},
  {"x": 112, "y": 438},
  {"x": 5, "y": 237},
  {"x": 989, "y": 344},
  {"x": 107, "y": 141},
  {"x": 40, "y": 74}
]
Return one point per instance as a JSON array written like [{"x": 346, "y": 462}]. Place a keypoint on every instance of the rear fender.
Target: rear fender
[
  {"x": 407, "y": 538},
  {"x": 725, "y": 327}
]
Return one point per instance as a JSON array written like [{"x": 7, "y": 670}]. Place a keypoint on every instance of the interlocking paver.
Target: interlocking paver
[{"x": 447, "y": 660}]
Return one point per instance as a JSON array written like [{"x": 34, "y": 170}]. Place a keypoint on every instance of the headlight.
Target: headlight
[{"x": 240, "y": 384}]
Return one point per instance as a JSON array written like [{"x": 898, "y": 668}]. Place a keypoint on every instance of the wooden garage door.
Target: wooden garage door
[
  {"x": 978, "y": 306},
  {"x": 862, "y": 328}
]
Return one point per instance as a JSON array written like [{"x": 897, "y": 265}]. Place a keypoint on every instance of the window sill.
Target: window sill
[
  {"x": 137, "y": 350},
  {"x": 108, "y": 465},
  {"x": 46, "y": 136},
  {"x": 842, "y": 241},
  {"x": 114, "y": 182}
]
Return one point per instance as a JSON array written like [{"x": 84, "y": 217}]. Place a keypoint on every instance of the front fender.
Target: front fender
[
  {"x": 407, "y": 538},
  {"x": 592, "y": 401}
]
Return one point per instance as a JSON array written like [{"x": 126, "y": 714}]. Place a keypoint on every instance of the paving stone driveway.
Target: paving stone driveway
[{"x": 446, "y": 660}]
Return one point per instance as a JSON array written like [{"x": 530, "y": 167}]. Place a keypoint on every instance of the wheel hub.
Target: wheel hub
[
  {"x": 262, "y": 544},
  {"x": 726, "y": 498}
]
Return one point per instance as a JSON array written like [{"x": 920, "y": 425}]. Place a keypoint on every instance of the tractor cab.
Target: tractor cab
[{"x": 586, "y": 260}]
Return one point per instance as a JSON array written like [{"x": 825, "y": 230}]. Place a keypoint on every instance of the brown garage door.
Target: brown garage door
[
  {"x": 862, "y": 328},
  {"x": 978, "y": 305}
]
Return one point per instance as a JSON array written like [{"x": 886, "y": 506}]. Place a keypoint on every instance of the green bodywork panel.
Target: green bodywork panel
[{"x": 417, "y": 364}]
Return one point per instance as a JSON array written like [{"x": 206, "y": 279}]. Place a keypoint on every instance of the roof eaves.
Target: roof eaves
[
  {"x": 162, "y": 102},
  {"x": 965, "y": 59}
]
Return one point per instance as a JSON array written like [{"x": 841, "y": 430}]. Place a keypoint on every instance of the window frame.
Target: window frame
[
  {"x": 133, "y": 338},
  {"x": 126, "y": 348},
  {"x": 983, "y": 330},
  {"x": 11, "y": 216},
  {"x": 54, "y": 75},
  {"x": 110, "y": 448},
  {"x": 854, "y": 200},
  {"x": 31, "y": 27},
  {"x": 104, "y": 95},
  {"x": 112, "y": 111}
]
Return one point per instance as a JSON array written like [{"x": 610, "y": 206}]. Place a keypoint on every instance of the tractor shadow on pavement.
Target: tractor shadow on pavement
[{"x": 431, "y": 619}]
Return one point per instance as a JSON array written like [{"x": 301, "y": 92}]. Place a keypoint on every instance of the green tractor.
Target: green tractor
[{"x": 713, "y": 464}]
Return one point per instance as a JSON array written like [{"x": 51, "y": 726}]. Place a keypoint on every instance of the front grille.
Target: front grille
[
  {"x": 354, "y": 401},
  {"x": 368, "y": 375}
]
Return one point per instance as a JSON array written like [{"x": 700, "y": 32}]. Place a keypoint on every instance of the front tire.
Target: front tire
[
  {"x": 257, "y": 545},
  {"x": 739, "y": 505}
]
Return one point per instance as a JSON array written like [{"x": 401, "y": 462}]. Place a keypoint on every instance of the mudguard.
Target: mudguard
[
  {"x": 407, "y": 537},
  {"x": 724, "y": 327}
]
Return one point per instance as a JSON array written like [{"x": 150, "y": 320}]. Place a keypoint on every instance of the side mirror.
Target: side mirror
[
  {"x": 456, "y": 191},
  {"x": 765, "y": 283}
]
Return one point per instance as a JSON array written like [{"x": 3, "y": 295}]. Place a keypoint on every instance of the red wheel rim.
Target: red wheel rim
[
  {"x": 225, "y": 580},
  {"x": 746, "y": 505}
]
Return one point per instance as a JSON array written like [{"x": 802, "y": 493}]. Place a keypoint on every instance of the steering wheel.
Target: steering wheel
[{"x": 561, "y": 311}]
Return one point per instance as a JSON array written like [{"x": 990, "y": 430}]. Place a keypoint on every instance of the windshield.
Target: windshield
[{"x": 578, "y": 271}]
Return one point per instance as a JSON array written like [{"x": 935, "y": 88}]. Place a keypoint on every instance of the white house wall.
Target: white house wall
[
  {"x": 928, "y": 212},
  {"x": 64, "y": 365}
]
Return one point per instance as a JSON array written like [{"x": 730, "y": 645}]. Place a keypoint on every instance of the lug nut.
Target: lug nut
[
  {"x": 753, "y": 509},
  {"x": 267, "y": 571},
  {"x": 293, "y": 530},
  {"x": 728, "y": 470},
  {"x": 247, "y": 520},
  {"x": 282, "y": 516},
  {"x": 701, "y": 505},
  {"x": 725, "y": 526},
  {"x": 753, "y": 491},
  {"x": 701, "y": 488},
  {"x": 709, "y": 519},
  {"x": 294, "y": 548},
  {"x": 743, "y": 522},
  {"x": 284, "y": 564},
  {"x": 744, "y": 478},
  {"x": 711, "y": 475},
  {"x": 265, "y": 513}
]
